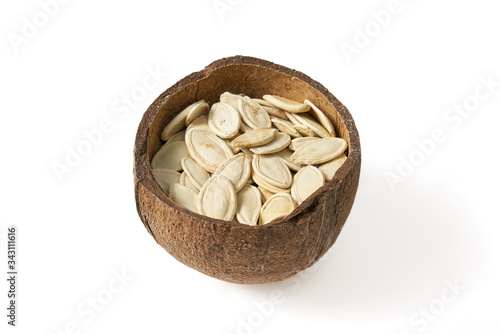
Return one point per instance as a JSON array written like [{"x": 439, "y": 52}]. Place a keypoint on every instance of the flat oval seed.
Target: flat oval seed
[
  {"x": 265, "y": 194},
  {"x": 331, "y": 167},
  {"x": 313, "y": 125},
  {"x": 224, "y": 120},
  {"x": 200, "y": 123},
  {"x": 236, "y": 169},
  {"x": 165, "y": 177},
  {"x": 321, "y": 117},
  {"x": 179, "y": 136},
  {"x": 196, "y": 174},
  {"x": 197, "y": 109},
  {"x": 272, "y": 170},
  {"x": 253, "y": 114},
  {"x": 249, "y": 204},
  {"x": 208, "y": 150},
  {"x": 170, "y": 155},
  {"x": 296, "y": 143},
  {"x": 304, "y": 130},
  {"x": 286, "y": 127},
  {"x": 286, "y": 104},
  {"x": 231, "y": 99},
  {"x": 176, "y": 124},
  {"x": 217, "y": 198},
  {"x": 284, "y": 155},
  {"x": 305, "y": 182},
  {"x": 267, "y": 186},
  {"x": 278, "y": 205},
  {"x": 319, "y": 151},
  {"x": 183, "y": 196},
  {"x": 255, "y": 137},
  {"x": 186, "y": 182},
  {"x": 281, "y": 141}
]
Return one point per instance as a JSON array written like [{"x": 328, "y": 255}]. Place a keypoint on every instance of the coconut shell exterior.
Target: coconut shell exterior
[{"x": 227, "y": 250}]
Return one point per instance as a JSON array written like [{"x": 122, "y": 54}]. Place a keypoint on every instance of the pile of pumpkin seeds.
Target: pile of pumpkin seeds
[{"x": 246, "y": 159}]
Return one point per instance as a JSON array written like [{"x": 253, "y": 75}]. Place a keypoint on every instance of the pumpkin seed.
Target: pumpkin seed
[
  {"x": 248, "y": 205},
  {"x": 265, "y": 194},
  {"x": 307, "y": 180},
  {"x": 217, "y": 198},
  {"x": 208, "y": 150},
  {"x": 304, "y": 130},
  {"x": 286, "y": 104},
  {"x": 231, "y": 99},
  {"x": 331, "y": 167},
  {"x": 284, "y": 156},
  {"x": 197, "y": 109},
  {"x": 194, "y": 172},
  {"x": 183, "y": 196},
  {"x": 296, "y": 143},
  {"x": 255, "y": 137},
  {"x": 279, "y": 142},
  {"x": 185, "y": 181},
  {"x": 170, "y": 155},
  {"x": 165, "y": 177},
  {"x": 267, "y": 186},
  {"x": 199, "y": 123},
  {"x": 224, "y": 120},
  {"x": 177, "y": 123},
  {"x": 313, "y": 125},
  {"x": 319, "y": 151},
  {"x": 285, "y": 127},
  {"x": 253, "y": 114},
  {"x": 236, "y": 169},
  {"x": 277, "y": 206},
  {"x": 272, "y": 171},
  {"x": 321, "y": 117}
]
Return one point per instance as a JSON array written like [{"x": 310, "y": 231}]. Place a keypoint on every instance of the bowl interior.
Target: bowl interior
[{"x": 252, "y": 80}]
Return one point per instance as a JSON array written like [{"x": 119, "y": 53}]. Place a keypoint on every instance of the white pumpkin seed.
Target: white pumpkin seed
[
  {"x": 313, "y": 125},
  {"x": 217, "y": 198},
  {"x": 208, "y": 150},
  {"x": 200, "y": 123},
  {"x": 319, "y": 151},
  {"x": 304, "y": 130},
  {"x": 186, "y": 182},
  {"x": 224, "y": 120},
  {"x": 170, "y": 155},
  {"x": 279, "y": 142},
  {"x": 194, "y": 172},
  {"x": 306, "y": 182},
  {"x": 272, "y": 171},
  {"x": 255, "y": 137},
  {"x": 284, "y": 156},
  {"x": 278, "y": 205},
  {"x": 253, "y": 114},
  {"x": 176, "y": 124},
  {"x": 179, "y": 136},
  {"x": 183, "y": 196},
  {"x": 165, "y": 177},
  {"x": 331, "y": 167},
  {"x": 236, "y": 169},
  {"x": 296, "y": 143},
  {"x": 249, "y": 204},
  {"x": 321, "y": 117},
  {"x": 267, "y": 186},
  {"x": 286, "y": 104},
  {"x": 231, "y": 99},
  {"x": 265, "y": 194},
  {"x": 197, "y": 109},
  {"x": 285, "y": 127}
]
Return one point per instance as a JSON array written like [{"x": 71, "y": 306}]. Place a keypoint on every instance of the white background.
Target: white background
[{"x": 398, "y": 248}]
